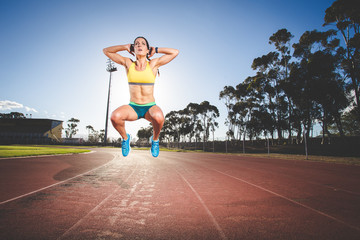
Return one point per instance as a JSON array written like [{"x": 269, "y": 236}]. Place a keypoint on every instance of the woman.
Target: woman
[{"x": 141, "y": 77}]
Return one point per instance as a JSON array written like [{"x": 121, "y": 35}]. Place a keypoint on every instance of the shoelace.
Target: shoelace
[{"x": 156, "y": 145}]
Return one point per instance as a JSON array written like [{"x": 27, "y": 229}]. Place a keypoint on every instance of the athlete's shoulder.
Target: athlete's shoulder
[
  {"x": 129, "y": 62},
  {"x": 153, "y": 62}
]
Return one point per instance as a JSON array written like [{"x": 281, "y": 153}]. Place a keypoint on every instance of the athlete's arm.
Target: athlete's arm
[
  {"x": 111, "y": 52},
  {"x": 170, "y": 54}
]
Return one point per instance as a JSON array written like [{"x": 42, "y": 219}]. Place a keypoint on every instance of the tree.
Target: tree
[
  {"x": 145, "y": 133},
  {"x": 94, "y": 136},
  {"x": 213, "y": 125},
  {"x": 90, "y": 129},
  {"x": 229, "y": 97},
  {"x": 346, "y": 15},
  {"x": 324, "y": 96},
  {"x": 207, "y": 113},
  {"x": 331, "y": 95},
  {"x": 173, "y": 125},
  {"x": 198, "y": 129},
  {"x": 269, "y": 81},
  {"x": 166, "y": 132},
  {"x": 281, "y": 40},
  {"x": 192, "y": 110},
  {"x": 71, "y": 130},
  {"x": 186, "y": 125},
  {"x": 102, "y": 135},
  {"x": 12, "y": 115},
  {"x": 351, "y": 125}
]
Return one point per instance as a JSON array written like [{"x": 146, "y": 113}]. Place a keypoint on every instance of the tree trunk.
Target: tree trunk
[
  {"x": 204, "y": 134},
  {"x": 298, "y": 137},
  {"x": 213, "y": 142},
  {"x": 244, "y": 143},
  {"x": 339, "y": 124},
  {"x": 290, "y": 142}
]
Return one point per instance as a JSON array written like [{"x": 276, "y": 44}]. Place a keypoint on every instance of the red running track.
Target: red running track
[{"x": 186, "y": 196}]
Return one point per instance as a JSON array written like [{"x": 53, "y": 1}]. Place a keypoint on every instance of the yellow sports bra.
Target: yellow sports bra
[{"x": 145, "y": 77}]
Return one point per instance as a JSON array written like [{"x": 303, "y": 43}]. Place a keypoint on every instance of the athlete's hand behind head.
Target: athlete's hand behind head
[
  {"x": 130, "y": 49},
  {"x": 151, "y": 52}
]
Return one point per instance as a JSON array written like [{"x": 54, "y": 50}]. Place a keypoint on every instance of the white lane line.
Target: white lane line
[
  {"x": 217, "y": 226},
  {"x": 290, "y": 200},
  {"x": 78, "y": 223},
  {"x": 55, "y": 184},
  {"x": 310, "y": 182},
  {"x": 338, "y": 189}
]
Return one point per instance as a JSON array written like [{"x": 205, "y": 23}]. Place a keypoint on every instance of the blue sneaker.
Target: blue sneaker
[
  {"x": 154, "y": 147},
  {"x": 125, "y": 146}
]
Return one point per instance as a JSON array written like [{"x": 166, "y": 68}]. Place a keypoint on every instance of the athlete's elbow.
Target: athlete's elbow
[{"x": 105, "y": 51}]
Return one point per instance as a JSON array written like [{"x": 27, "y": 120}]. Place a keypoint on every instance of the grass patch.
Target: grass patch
[{"x": 22, "y": 151}]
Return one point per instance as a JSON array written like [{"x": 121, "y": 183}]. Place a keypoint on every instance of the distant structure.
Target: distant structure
[
  {"x": 73, "y": 141},
  {"x": 30, "y": 131}
]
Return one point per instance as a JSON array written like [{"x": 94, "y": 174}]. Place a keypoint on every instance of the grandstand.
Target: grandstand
[{"x": 30, "y": 131}]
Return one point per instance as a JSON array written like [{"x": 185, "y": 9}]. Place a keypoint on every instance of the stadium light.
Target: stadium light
[{"x": 110, "y": 68}]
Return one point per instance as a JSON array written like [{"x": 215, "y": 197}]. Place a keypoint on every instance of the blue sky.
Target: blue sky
[{"x": 52, "y": 64}]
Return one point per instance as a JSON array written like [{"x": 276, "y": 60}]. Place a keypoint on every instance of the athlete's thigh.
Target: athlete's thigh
[
  {"x": 125, "y": 112},
  {"x": 154, "y": 113}
]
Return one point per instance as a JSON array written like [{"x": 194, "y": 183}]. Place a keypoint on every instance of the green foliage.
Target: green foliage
[
  {"x": 350, "y": 124},
  {"x": 196, "y": 120},
  {"x": 95, "y": 136},
  {"x": 292, "y": 91},
  {"x": 71, "y": 130},
  {"x": 145, "y": 133},
  {"x": 346, "y": 15},
  {"x": 12, "y": 115}
]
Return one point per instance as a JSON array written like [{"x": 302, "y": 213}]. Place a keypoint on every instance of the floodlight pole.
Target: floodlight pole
[{"x": 110, "y": 68}]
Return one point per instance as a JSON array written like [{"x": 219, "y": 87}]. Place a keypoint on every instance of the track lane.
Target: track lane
[
  {"x": 81, "y": 221},
  {"x": 179, "y": 196},
  {"x": 300, "y": 187},
  {"x": 298, "y": 180},
  {"x": 156, "y": 205},
  {"x": 27, "y": 175},
  {"x": 335, "y": 176},
  {"x": 47, "y": 213},
  {"x": 337, "y": 204}
]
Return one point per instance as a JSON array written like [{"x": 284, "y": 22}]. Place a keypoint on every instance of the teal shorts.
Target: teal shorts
[{"x": 141, "y": 109}]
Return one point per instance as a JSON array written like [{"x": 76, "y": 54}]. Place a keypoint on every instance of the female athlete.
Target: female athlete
[{"x": 141, "y": 78}]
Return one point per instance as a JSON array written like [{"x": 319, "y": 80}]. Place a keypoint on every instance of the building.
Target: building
[
  {"x": 30, "y": 131},
  {"x": 73, "y": 141}
]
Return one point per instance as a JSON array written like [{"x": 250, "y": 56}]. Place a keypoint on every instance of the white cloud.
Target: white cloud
[
  {"x": 30, "y": 109},
  {"x": 62, "y": 115},
  {"x": 6, "y": 105}
]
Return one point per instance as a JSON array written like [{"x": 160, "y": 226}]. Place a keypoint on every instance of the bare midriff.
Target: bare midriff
[{"x": 141, "y": 94}]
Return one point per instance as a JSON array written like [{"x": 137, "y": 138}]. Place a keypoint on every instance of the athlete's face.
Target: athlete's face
[{"x": 140, "y": 47}]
